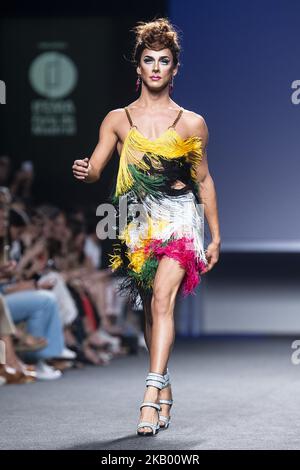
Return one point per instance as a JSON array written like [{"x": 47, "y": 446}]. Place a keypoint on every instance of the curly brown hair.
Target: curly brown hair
[{"x": 157, "y": 34}]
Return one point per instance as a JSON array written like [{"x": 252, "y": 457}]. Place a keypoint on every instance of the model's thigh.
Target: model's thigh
[{"x": 168, "y": 278}]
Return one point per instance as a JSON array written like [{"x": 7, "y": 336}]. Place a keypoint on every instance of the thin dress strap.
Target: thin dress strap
[
  {"x": 177, "y": 118},
  {"x": 129, "y": 118},
  {"x": 172, "y": 125}
]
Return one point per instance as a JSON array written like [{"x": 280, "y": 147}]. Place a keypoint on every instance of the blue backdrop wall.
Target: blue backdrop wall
[{"x": 240, "y": 70}]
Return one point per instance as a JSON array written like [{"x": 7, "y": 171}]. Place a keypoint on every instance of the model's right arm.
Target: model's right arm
[{"x": 89, "y": 170}]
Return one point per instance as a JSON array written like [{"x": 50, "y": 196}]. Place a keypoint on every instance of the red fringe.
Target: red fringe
[{"x": 182, "y": 250}]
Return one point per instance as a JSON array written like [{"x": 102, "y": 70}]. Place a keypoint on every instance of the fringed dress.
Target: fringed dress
[{"x": 154, "y": 219}]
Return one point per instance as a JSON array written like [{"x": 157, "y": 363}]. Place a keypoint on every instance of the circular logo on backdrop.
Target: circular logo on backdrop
[{"x": 53, "y": 75}]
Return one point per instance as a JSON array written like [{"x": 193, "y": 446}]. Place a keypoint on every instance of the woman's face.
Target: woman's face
[
  {"x": 59, "y": 226},
  {"x": 156, "y": 64},
  {"x": 79, "y": 241},
  {"x": 16, "y": 232}
]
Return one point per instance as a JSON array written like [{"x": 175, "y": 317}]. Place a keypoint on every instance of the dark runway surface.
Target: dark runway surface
[{"x": 229, "y": 393}]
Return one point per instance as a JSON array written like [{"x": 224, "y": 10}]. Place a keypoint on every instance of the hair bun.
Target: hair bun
[{"x": 156, "y": 34}]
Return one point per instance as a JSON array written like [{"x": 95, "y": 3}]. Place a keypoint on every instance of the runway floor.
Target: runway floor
[{"x": 229, "y": 393}]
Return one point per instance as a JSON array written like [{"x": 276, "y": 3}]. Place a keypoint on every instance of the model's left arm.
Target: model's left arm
[{"x": 207, "y": 193}]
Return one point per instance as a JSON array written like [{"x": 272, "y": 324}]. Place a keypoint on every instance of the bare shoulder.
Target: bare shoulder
[
  {"x": 114, "y": 116},
  {"x": 196, "y": 124},
  {"x": 112, "y": 120}
]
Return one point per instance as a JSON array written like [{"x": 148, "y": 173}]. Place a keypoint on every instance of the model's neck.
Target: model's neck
[{"x": 154, "y": 100}]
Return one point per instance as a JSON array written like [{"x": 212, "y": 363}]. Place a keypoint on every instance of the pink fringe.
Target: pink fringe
[{"x": 182, "y": 250}]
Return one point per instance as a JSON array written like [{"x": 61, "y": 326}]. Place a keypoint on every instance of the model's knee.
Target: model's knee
[{"x": 161, "y": 302}]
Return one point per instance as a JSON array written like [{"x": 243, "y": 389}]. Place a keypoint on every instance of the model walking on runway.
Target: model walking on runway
[{"x": 163, "y": 170}]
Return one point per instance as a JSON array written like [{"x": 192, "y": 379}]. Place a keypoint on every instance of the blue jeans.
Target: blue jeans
[{"x": 40, "y": 311}]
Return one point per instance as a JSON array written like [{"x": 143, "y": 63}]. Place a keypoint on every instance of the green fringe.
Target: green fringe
[
  {"x": 146, "y": 276},
  {"x": 148, "y": 184},
  {"x": 143, "y": 183}
]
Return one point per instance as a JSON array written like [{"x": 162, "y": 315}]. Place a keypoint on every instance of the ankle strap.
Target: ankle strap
[
  {"x": 167, "y": 379},
  {"x": 150, "y": 403},
  {"x": 155, "y": 380}
]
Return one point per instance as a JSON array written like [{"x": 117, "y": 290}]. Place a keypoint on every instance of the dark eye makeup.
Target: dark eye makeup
[{"x": 163, "y": 59}]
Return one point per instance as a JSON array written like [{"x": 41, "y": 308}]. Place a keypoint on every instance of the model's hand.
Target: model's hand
[
  {"x": 81, "y": 169},
  {"x": 212, "y": 255}
]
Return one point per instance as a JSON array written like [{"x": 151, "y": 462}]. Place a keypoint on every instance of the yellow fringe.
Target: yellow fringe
[
  {"x": 137, "y": 259},
  {"x": 115, "y": 261},
  {"x": 169, "y": 145}
]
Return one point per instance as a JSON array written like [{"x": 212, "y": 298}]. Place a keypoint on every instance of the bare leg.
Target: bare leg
[
  {"x": 147, "y": 319},
  {"x": 166, "y": 393},
  {"x": 161, "y": 336}
]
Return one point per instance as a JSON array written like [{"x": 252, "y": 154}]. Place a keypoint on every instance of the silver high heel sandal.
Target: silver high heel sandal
[
  {"x": 166, "y": 419},
  {"x": 155, "y": 380}
]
